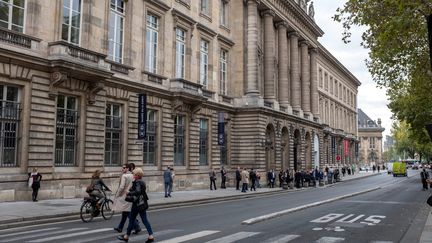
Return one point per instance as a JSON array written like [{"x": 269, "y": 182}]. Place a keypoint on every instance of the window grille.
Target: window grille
[
  {"x": 66, "y": 131},
  {"x": 149, "y": 145},
  {"x": 113, "y": 134},
  {"x": 10, "y": 110}
]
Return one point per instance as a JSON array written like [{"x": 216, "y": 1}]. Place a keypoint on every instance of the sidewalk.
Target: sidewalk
[{"x": 24, "y": 212}]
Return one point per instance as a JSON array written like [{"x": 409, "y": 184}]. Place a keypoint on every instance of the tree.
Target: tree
[{"x": 397, "y": 38}]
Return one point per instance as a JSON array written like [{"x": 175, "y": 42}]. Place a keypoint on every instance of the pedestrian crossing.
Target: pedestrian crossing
[{"x": 108, "y": 235}]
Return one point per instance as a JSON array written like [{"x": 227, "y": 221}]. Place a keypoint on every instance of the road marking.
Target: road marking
[
  {"x": 287, "y": 211},
  {"x": 371, "y": 220},
  {"x": 282, "y": 239},
  {"x": 190, "y": 236},
  {"x": 234, "y": 237},
  {"x": 141, "y": 237},
  {"x": 380, "y": 241},
  {"x": 329, "y": 240},
  {"x": 28, "y": 232},
  {"x": 344, "y": 219},
  {"x": 55, "y": 232},
  {"x": 72, "y": 235}
]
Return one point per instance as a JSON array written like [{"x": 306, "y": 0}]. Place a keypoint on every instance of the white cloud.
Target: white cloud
[{"x": 372, "y": 100}]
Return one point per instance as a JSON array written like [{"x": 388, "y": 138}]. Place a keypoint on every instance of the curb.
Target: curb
[
  {"x": 10, "y": 223},
  {"x": 287, "y": 211}
]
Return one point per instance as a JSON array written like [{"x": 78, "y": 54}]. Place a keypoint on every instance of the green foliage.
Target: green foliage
[{"x": 396, "y": 35}]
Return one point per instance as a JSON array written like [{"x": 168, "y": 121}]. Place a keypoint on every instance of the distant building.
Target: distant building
[
  {"x": 370, "y": 136},
  {"x": 388, "y": 143}
]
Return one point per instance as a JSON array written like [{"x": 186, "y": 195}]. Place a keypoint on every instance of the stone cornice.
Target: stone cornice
[
  {"x": 268, "y": 12},
  {"x": 206, "y": 29},
  {"x": 161, "y": 5},
  {"x": 177, "y": 14},
  {"x": 326, "y": 54},
  {"x": 225, "y": 40},
  {"x": 281, "y": 24}
]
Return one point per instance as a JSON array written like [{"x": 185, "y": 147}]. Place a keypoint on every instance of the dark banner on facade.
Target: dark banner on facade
[
  {"x": 333, "y": 144},
  {"x": 346, "y": 147},
  {"x": 356, "y": 150},
  {"x": 221, "y": 128},
  {"x": 142, "y": 116}
]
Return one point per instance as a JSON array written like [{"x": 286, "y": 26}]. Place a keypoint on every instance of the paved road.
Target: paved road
[{"x": 393, "y": 213}]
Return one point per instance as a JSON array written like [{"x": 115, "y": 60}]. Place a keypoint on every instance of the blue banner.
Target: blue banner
[
  {"x": 142, "y": 116},
  {"x": 221, "y": 128}
]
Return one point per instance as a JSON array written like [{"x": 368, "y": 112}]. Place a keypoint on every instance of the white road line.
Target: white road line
[
  {"x": 141, "y": 237},
  {"x": 28, "y": 232},
  {"x": 190, "y": 236},
  {"x": 234, "y": 237},
  {"x": 380, "y": 241},
  {"x": 55, "y": 232},
  {"x": 330, "y": 240},
  {"x": 287, "y": 211},
  {"x": 282, "y": 239},
  {"x": 71, "y": 235}
]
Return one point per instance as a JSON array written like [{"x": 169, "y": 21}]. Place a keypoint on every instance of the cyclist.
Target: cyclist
[{"x": 97, "y": 185}]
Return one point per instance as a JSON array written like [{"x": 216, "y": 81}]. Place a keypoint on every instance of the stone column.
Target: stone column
[
  {"x": 269, "y": 55},
  {"x": 283, "y": 64},
  {"x": 314, "y": 83},
  {"x": 295, "y": 76},
  {"x": 305, "y": 77},
  {"x": 252, "y": 48}
]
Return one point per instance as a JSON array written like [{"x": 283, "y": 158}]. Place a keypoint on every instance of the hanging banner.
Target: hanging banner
[
  {"x": 333, "y": 144},
  {"x": 142, "y": 116},
  {"x": 346, "y": 147},
  {"x": 221, "y": 128},
  {"x": 356, "y": 150}
]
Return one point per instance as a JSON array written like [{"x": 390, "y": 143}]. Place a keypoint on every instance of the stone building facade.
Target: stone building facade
[
  {"x": 370, "y": 136},
  {"x": 71, "y": 72}
]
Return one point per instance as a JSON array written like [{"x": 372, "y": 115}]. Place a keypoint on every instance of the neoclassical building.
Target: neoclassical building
[
  {"x": 194, "y": 84},
  {"x": 370, "y": 136}
]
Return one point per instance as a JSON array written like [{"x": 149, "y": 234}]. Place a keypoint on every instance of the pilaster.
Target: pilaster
[
  {"x": 269, "y": 56},
  {"x": 314, "y": 83},
  {"x": 295, "y": 75},
  {"x": 305, "y": 77},
  {"x": 283, "y": 64},
  {"x": 252, "y": 48}
]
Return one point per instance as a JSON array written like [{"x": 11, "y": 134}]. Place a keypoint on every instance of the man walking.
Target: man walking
[
  {"x": 424, "y": 176},
  {"x": 168, "y": 181},
  {"x": 244, "y": 179},
  {"x": 212, "y": 176},
  {"x": 238, "y": 178},
  {"x": 223, "y": 177},
  {"x": 253, "y": 177}
]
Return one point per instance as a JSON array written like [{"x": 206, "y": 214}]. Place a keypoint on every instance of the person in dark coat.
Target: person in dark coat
[
  {"x": 212, "y": 176},
  {"x": 167, "y": 181},
  {"x": 424, "y": 177},
  {"x": 253, "y": 177},
  {"x": 223, "y": 177},
  {"x": 238, "y": 178},
  {"x": 34, "y": 179}
]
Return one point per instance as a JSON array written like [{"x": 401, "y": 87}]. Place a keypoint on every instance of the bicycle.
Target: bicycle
[{"x": 89, "y": 209}]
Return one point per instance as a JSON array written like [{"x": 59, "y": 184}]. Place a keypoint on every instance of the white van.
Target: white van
[{"x": 389, "y": 168}]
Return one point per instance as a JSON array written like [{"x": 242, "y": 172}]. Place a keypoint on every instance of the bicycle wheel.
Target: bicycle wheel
[
  {"x": 86, "y": 212},
  {"x": 106, "y": 210}
]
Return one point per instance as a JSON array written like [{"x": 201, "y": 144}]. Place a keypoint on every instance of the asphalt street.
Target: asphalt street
[{"x": 394, "y": 212}]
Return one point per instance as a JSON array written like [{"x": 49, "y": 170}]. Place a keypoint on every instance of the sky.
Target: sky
[{"x": 372, "y": 100}]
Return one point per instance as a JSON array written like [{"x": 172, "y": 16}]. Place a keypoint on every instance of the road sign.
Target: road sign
[{"x": 338, "y": 158}]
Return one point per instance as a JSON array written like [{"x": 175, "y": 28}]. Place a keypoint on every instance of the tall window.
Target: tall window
[
  {"x": 180, "y": 52},
  {"x": 204, "y": 51},
  {"x": 204, "y": 7},
  {"x": 9, "y": 124},
  {"x": 223, "y": 60},
  {"x": 12, "y": 14},
  {"x": 326, "y": 84},
  {"x": 224, "y": 13},
  {"x": 151, "y": 43},
  {"x": 179, "y": 140},
  {"x": 150, "y": 141},
  {"x": 115, "y": 33},
  {"x": 71, "y": 21},
  {"x": 66, "y": 131},
  {"x": 203, "y": 142},
  {"x": 320, "y": 77},
  {"x": 113, "y": 136},
  {"x": 371, "y": 143}
]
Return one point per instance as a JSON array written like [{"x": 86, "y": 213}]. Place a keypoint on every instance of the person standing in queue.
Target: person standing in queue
[
  {"x": 34, "y": 179},
  {"x": 223, "y": 177}
]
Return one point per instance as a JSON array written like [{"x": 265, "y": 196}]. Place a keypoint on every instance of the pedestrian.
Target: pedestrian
[
  {"x": 258, "y": 178},
  {"x": 238, "y": 178},
  {"x": 171, "y": 187},
  {"x": 244, "y": 179},
  {"x": 167, "y": 181},
  {"x": 96, "y": 187},
  {"x": 280, "y": 176},
  {"x": 223, "y": 177},
  {"x": 120, "y": 205},
  {"x": 253, "y": 177},
  {"x": 271, "y": 178},
  {"x": 138, "y": 190},
  {"x": 212, "y": 176},
  {"x": 373, "y": 168},
  {"x": 424, "y": 177},
  {"x": 34, "y": 179},
  {"x": 378, "y": 167}
]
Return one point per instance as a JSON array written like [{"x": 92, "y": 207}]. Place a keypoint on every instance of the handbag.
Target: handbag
[
  {"x": 429, "y": 201},
  {"x": 142, "y": 204},
  {"x": 130, "y": 198},
  {"x": 89, "y": 188}
]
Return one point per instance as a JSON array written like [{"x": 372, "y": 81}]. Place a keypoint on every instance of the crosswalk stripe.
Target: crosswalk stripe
[
  {"x": 55, "y": 232},
  {"x": 141, "y": 236},
  {"x": 330, "y": 240},
  {"x": 281, "y": 239},
  {"x": 29, "y": 232},
  {"x": 190, "y": 236},
  {"x": 233, "y": 237},
  {"x": 71, "y": 235}
]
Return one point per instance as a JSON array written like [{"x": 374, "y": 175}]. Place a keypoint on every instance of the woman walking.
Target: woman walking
[
  {"x": 138, "y": 190},
  {"x": 120, "y": 205},
  {"x": 34, "y": 182}
]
